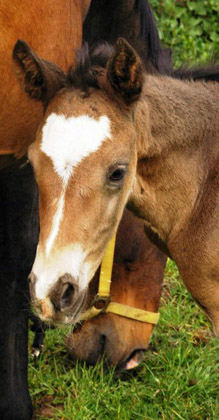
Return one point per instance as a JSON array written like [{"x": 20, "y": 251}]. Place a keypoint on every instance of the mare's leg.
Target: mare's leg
[
  {"x": 18, "y": 238},
  {"x": 39, "y": 329}
]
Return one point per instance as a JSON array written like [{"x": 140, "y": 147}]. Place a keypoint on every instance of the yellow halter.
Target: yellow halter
[{"x": 102, "y": 302}]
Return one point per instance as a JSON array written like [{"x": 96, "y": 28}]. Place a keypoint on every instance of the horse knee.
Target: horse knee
[
  {"x": 206, "y": 293},
  {"x": 214, "y": 317},
  {"x": 216, "y": 330}
]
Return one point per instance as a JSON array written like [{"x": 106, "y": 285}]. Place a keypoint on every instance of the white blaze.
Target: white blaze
[
  {"x": 69, "y": 140},
  {"x": 66, "y": 141},
  {"x": 56, "y": 223}
]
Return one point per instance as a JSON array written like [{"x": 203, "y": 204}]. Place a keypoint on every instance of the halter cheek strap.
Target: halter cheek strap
[{"x": 102, "y": 301}]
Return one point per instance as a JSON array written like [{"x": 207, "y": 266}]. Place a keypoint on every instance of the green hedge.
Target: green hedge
[{"x": 190, "y": 28}]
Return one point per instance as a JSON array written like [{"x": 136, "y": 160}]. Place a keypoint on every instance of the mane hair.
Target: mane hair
[
  {"x": 92, "y": 62},
  {"x": 207, "y": 73}
]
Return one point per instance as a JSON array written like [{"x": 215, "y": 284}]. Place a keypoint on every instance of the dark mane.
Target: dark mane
[
  {"x": 91, "y": 64},
  {"x": 133, "y": 20},
  {"x": 207, "y": 73}
]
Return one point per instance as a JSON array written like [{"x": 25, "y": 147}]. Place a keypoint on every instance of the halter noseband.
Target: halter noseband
[{"x": 102, "y": 301}]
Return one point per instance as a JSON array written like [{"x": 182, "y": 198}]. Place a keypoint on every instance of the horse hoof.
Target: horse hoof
[{"x": 36, "y": 352}]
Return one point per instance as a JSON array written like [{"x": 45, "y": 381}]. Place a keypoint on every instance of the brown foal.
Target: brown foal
[{"x": 113, "y": 136}]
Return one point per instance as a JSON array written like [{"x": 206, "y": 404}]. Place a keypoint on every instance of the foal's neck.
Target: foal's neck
[
  {"x": 180, "y": 115},
  {"x": 177, "y": 126}
]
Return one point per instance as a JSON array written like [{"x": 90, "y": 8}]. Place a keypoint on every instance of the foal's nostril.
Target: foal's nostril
[{"x": 67, "y": 296}]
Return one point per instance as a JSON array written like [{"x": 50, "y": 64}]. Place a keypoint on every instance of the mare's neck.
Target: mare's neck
[{"x": 176, "y": 124}]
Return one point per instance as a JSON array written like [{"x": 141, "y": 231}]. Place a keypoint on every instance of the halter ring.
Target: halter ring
[{"x": 101, "y": 302}]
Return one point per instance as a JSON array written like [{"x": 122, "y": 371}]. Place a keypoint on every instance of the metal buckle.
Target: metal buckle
[{"x": 101, "y": 302}]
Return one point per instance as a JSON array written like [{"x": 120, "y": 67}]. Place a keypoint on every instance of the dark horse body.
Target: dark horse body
[
  {"x": 54, "y": 31},
  {"x": 41, "y": 23}
]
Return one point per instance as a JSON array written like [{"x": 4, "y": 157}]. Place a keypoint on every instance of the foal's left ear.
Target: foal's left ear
[
  {"x": 125, "y": 72},
  {"x": 40, "y": 78}
]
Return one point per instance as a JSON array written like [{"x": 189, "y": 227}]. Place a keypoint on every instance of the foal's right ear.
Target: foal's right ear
[
  {"x": 125, "y": 72},
  {"x": 41, "y": 79}
]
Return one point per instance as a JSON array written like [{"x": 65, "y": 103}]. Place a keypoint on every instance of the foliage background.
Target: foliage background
[{"x": 189, "y": 28}]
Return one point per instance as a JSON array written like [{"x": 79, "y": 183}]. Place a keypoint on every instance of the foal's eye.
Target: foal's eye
[{"x": 116, "y": 175}]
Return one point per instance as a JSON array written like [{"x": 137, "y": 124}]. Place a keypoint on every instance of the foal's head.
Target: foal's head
[
  {"x": 137, "y": 282},
  {"x": 84, "y": 160}
]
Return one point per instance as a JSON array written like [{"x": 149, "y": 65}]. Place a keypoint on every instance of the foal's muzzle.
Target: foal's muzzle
[{"x": 64, "y": 300}]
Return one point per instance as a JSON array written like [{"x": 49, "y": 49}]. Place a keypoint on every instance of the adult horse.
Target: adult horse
[
  {"x": 137, "y": 279},
  {"x": 54, "y": 31},
  {"x": 147, "y": 136},
  {"x": 121, "y": 307}
]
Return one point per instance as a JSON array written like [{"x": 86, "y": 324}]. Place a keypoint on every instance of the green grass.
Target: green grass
[{"x": 177, "y": 380}]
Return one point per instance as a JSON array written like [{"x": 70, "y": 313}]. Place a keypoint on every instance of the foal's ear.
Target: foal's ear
[
  {"x": 41, "y": 79},
  {"x": 125, "y": 72}
]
